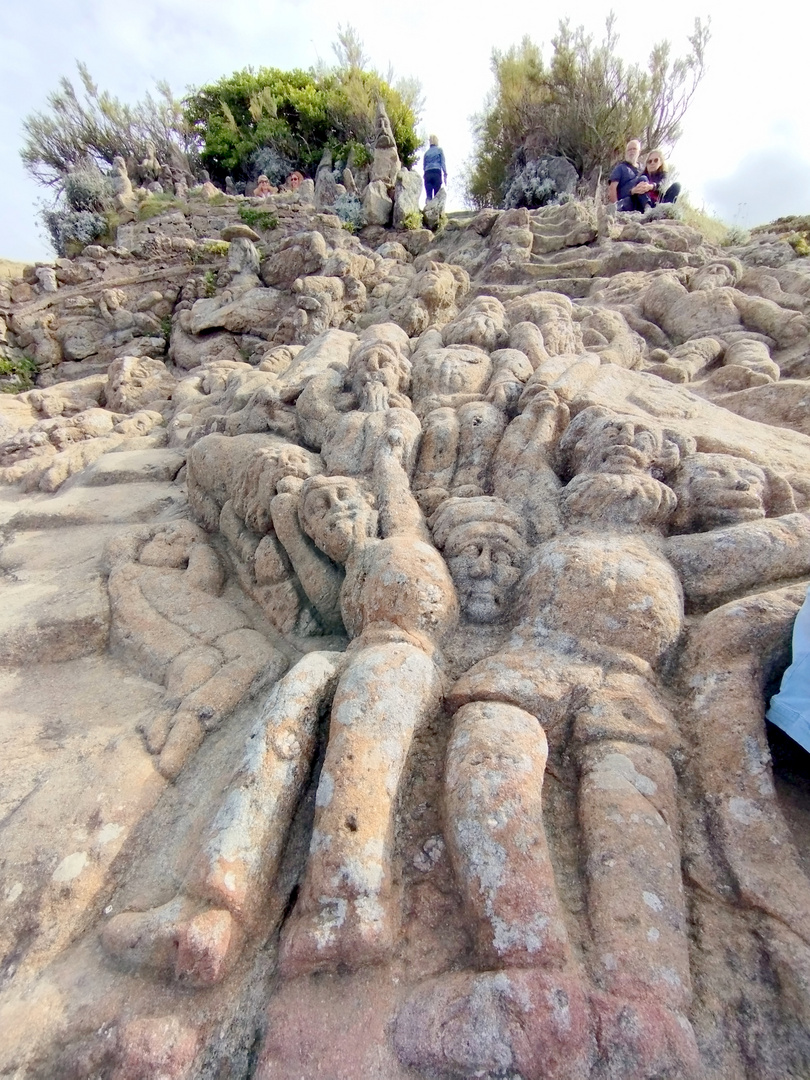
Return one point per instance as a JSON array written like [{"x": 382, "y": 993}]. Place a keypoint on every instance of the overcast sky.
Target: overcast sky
[{"x": 745, "y": 153}]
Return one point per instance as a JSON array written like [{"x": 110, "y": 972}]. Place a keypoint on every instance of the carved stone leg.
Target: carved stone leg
[
  {"x": 493, "y": 807},
  {"x": 532, "y": 1023},
  {"x": 344, "y": 914},
  {"x": 532, "y": 1015},
  {"x": 197, "y": 935},
  {"x": 481, "y": 426},
  {"x": 636, "y": 910}
]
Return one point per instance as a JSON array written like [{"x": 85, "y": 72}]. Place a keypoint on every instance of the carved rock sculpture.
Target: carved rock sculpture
[{"x": 388, "y": 651}]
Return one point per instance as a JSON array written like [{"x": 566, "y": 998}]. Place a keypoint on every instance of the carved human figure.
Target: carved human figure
[
  {"x": 169, "y": 619},
  {"x": 601, "y": 608},
  {"x": 380, "y": 690},
  {"x": 343, "y": 412},
  {"x": 231, "y": 484},
  {"x": 149, "y": 168},
  {"x": 712, "y": 306},
  {"x": 464, "y": 398}
]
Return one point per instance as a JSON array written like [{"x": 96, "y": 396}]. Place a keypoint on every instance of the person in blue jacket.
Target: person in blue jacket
[
  {"x": 434, "y": 167},
  {"x": 628, "y": 187},
  {"x": 790, "y": 708}
]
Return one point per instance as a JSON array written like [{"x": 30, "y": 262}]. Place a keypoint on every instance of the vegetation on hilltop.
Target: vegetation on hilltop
[
  {"x": 296, "y": 114},
  {"x": 85, "y": 126},
  {"x": 583, "y": 105}
]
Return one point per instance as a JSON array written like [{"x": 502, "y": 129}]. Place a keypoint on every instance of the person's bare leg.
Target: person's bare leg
[{"x": 344, "y": 914}]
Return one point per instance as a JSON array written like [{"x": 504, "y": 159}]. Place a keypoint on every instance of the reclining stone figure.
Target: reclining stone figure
[{"x": 388, "y": 682}]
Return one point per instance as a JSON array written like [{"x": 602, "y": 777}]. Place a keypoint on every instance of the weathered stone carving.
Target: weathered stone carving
[{"x": 503, "y": 537}]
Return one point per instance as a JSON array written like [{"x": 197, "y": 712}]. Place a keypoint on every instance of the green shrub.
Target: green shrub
[
  {"x": 258, "y": 219},
  {"x": 209, "y": 283},
  {"x": 799, "y": 242},
  {"x": 155, "y": 205},
  {"x": 736, "y": 236},
  {"x": 87, "y": 189},
  {"x": 582, "y": 105},
  {"x": 296, "y": 114},
  {"x": 712, "y": 228},
  {"x": 350, "y": 211},
  {"x": 72, "y": 230},
  {"x": 412, "y": 220},
  {"x": 17, "y": 374}
]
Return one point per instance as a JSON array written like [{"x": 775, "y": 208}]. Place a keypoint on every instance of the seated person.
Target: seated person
[
  {"x": 263, "y": 187},
  {"x": 628, "y": 187},
  {"x": 655, "y": 173}
]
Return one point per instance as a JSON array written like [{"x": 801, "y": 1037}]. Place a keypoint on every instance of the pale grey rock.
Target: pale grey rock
[
  {"x": 406, "y": 198},
  {"x": 377, "y": 206}
]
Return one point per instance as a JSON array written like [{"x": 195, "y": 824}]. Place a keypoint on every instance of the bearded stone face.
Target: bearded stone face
[{"x": 485, "y": 560}]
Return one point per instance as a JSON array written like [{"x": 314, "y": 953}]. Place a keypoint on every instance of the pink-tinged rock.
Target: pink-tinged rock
[{"x": 158, "y": 1048}]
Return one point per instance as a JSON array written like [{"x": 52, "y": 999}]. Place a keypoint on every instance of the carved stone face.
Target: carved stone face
[
  {"x": 713, "y": 276},
  {"x": 485, "y": 560},
  {"x": 481, "y": 324},
  {"x": 717, "y": 489},
  {"x": 376, "y": 371},
  {"x": 458, "y": 369},
  {"x": 616, "y": 444},
  {"x": 334, "y": 511}
]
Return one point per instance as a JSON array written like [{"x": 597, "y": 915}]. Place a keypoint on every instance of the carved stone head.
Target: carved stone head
[
  {"x": 601, "y": 441},
  {"x": 483, "y": 546},
  {"x": 271, "y": 469},
  {"x": 379, "y": 367},
  {"x": 718, "y": 489},
  {"x": 384, "y": 133},
  {"x": 482, "y": 323},
  {"x": 337, "y": 513},
  {"x": 457, "y": 369}
]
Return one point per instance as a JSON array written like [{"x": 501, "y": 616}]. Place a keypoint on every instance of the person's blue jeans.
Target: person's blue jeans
[{"x": 433, "y": 182}]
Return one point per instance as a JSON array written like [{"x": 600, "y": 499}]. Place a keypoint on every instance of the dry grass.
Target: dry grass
[
  {"x": 715, "y": 231},
  {"x": 9, "y": 268}
]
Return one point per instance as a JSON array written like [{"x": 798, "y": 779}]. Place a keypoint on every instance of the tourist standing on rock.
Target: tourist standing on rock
[
  {"x": 628, "y": 187},
  {"x": 655, "y": 172},
  {"x": 435, "y": 168}
]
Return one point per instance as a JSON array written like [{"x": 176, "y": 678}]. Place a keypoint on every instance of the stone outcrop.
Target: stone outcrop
[{"x": 386, "y": 626}]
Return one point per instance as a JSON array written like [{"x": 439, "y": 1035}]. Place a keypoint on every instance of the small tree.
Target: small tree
[
  {"x": 582, "y": 106},
  {"x": 90, "y": 126}
]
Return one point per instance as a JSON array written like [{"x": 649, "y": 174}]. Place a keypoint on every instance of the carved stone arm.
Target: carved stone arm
[{"x": 319, "y": 577}]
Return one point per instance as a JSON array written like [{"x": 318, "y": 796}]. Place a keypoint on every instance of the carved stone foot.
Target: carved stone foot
[
  {"x": 186, "y": 737},
  {"x": 641, "y": 1040},
  {"x": 176, "y": 940},
  {"x": 471, "y": 1024},
  {"x": 339, "y": 934}
]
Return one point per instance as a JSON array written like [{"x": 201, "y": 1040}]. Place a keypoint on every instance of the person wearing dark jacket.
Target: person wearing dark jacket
[
  {"x": 434, "y": 167},
  {"x": 628, "y": 187}
]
